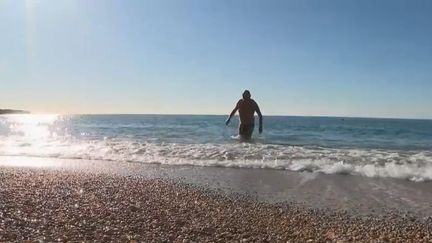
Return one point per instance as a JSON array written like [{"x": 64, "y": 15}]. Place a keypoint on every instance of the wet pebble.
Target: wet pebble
[{"x": 37, "y": 204}]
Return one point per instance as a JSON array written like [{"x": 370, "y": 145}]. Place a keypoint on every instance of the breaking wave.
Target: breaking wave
[{"x": 411, "y": 165}]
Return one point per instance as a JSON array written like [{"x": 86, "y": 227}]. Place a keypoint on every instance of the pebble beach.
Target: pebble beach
[{"x": 53, "y": 205}]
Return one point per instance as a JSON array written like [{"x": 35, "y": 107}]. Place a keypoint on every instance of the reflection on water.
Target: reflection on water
[
  {"x": 26, "y": 132},
  {"x": 31, "y": 126},
  {"x": 368, "y": 147}
]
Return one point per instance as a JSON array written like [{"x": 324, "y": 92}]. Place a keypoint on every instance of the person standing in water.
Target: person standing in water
[{"x": 247, "y": 108}]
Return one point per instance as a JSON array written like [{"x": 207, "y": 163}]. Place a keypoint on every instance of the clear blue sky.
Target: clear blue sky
[{"x": 298, "y": 57}]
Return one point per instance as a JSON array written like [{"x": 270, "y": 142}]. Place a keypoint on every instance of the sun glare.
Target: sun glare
[
  {"x": 26, "y": 135},
  {"x": 28, "y": 162},
  {"x": 32, "y": 126}
]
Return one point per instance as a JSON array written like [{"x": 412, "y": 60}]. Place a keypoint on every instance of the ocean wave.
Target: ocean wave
[{"x": 411, "y": 165}]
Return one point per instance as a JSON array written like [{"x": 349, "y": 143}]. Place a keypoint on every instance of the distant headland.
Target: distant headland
[{"x": 10, "y": 111}]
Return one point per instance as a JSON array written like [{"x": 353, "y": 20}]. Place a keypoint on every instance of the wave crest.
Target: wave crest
[{"x": 411, "y": 165}]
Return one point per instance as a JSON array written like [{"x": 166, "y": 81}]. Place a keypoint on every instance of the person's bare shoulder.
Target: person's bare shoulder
[
  {"x": 239, "y": 102},
  {"x": 254, "y": 102}
]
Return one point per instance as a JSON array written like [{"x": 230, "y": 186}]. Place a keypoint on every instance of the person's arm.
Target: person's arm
[
  {"x": 258, "y": 111},
  {"x": 231, "y": 115}
]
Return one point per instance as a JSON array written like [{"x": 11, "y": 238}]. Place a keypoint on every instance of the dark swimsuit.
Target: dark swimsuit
[{"x": 245, "y": 131}]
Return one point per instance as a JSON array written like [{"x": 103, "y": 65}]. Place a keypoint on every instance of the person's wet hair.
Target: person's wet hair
[{"x": 246, "y": 94}]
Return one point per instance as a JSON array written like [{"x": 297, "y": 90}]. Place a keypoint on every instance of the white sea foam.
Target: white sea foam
[{"x": 411, "y": 165}]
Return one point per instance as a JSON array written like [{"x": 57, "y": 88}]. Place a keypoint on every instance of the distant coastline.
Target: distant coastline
[{"x": 10, "y": 111}]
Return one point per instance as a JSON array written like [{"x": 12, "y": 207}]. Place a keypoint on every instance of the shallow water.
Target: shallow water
[{"x": 367, "y": 147}]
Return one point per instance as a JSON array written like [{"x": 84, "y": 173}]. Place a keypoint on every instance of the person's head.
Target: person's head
[{"x": 246, "y": 94}]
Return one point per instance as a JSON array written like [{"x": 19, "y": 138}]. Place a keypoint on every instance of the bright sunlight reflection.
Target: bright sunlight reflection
[
  {"x": 28, "y": 162},
  {"x": 32, "y": 126},
  {"x": 26, "y": 134}
]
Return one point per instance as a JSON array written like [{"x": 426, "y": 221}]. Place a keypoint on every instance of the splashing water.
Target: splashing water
[{"x": 365, "y": 147}]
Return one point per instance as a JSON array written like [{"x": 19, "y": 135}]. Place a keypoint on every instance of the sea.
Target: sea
[{"x": 367, "y": 147}]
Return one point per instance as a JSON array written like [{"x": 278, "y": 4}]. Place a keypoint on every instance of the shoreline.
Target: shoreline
[
  {"x": 70, "y": 200},
  {"x": 335, "y": 192},
  {"x": 70, "y": 205}
]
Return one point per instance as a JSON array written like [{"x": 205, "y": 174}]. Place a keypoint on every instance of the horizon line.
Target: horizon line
[{"x": 271, "y": 115}]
